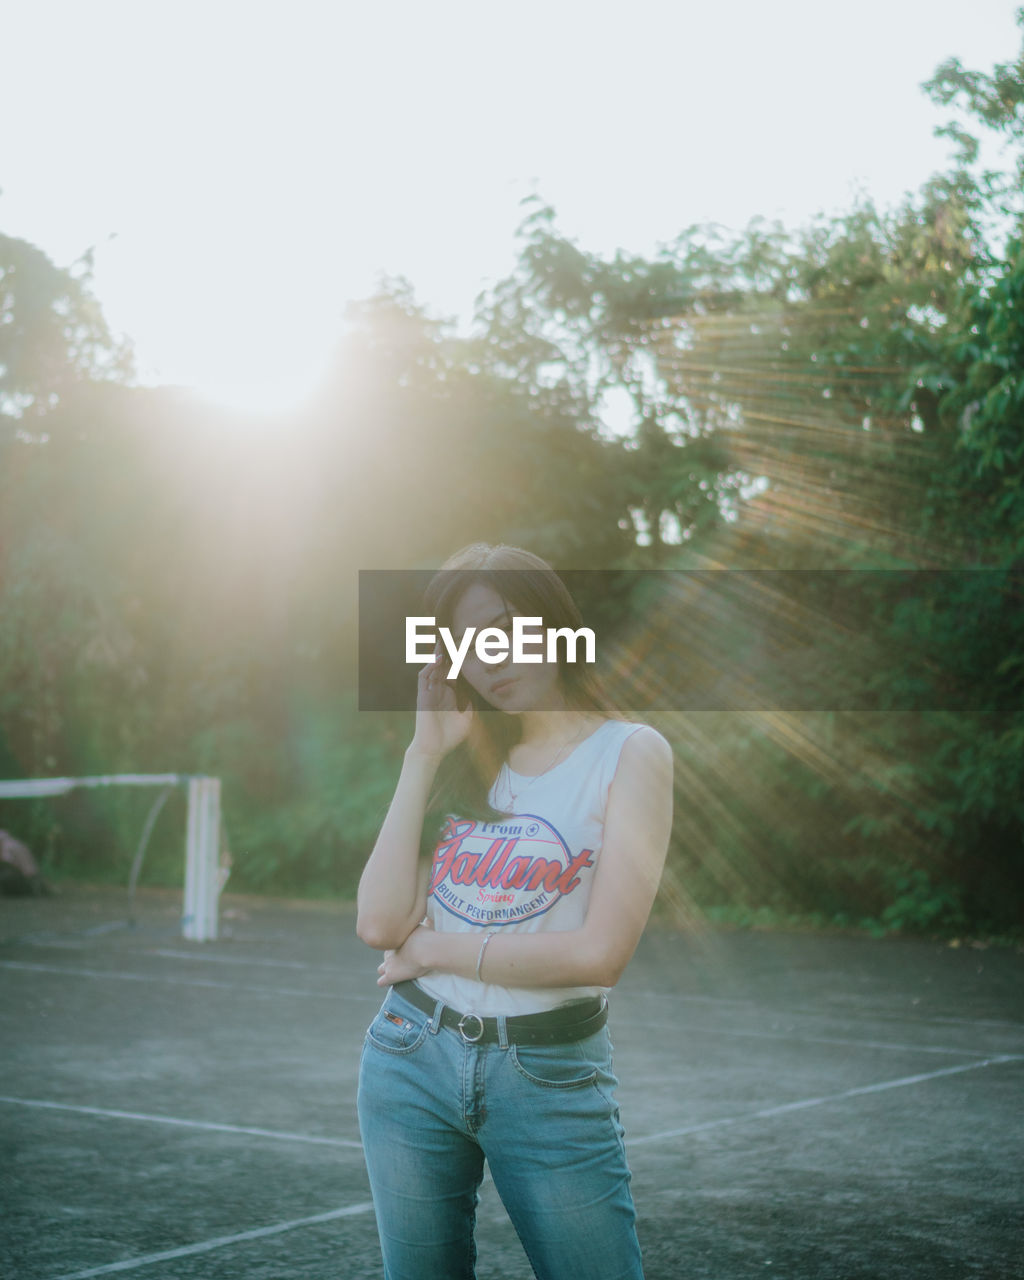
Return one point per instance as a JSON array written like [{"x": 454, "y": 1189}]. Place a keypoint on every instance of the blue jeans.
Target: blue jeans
[{"x": 432, "y": 1108}]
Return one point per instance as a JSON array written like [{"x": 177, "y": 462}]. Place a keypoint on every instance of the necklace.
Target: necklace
[{"x": 514, "y": 795}]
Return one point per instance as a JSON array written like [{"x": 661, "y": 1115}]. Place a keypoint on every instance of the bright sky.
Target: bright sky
[{"x": 243, "y": 169}]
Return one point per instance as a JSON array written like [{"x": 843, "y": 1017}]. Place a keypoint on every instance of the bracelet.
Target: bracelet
[{"x": 483, "y": 948}]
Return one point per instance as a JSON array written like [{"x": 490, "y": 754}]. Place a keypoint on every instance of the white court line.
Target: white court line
[
  {"x": 805, "y": 1103},
  {"x": 107, "y": 1113},
  {"x": 185, "y": 982},
  {"x": 797, "y": 1037},
  {"x": 285, "y": 1136},
  {"x": 217, "y": 959},
  {"x": 376, "y": 998},
  {"x": 337, "y": 969},
  {"x": 205, "y": 1246},
  {"x": 838, "y": 1015},
  {"x": 973, "y": 1022},
  {"x": 63, "y": 944},
  {"x": 367, "y": 1207},
  {"x": 844, "y": 1016},
  {"x": 789, "y": 1037},
  {"x": 188, "y": 955}
]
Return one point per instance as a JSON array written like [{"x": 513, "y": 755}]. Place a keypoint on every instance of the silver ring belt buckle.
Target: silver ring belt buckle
[{"x": 464, "y": 1033}]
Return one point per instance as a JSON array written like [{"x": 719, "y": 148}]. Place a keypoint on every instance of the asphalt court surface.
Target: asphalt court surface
[{"x": 801, "y": 1106}]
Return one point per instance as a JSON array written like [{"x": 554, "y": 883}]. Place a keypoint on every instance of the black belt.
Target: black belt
[{"x": 555, "y": 1026}]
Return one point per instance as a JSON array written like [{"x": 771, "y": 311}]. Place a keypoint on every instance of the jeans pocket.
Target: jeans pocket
[
  {"x": 397, "y": 1031},
  {"x": 554, "y": 1066}
]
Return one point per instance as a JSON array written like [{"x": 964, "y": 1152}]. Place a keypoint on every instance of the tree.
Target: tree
[
  {"x": 52, "y": 333},
  {"x": 568, "y": 328}
]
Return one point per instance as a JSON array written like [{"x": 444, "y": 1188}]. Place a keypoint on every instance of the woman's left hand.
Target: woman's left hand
[{"x": 408, "y": 961}]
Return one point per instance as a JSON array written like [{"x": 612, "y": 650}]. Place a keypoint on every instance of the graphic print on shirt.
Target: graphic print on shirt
[{"x": 494, "y": 873}]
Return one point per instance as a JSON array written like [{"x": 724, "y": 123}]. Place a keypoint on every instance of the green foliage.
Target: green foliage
[
  {"x": 569, "y": 328},
  {"x": 993, "y": 101},
  {"x": 52, "y": 333},
  {"x": 918, "y": 904},
  {"x": 178, "y": 595},
  {"x": 338, "y": 786},
  {"x": 987, "y": 407},
  {"x": 909, "y": 326}
]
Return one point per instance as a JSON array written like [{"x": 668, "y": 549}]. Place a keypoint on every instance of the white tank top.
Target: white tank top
[{"x": 528, "y": 873}]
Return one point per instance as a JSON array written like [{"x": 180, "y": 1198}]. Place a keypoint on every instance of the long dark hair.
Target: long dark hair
[{"x": 527, "y": 583}]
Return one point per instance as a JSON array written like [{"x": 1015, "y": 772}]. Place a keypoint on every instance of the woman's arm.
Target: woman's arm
[
  {"x": 392, "y": 894},
  {"x": 638, "y": 824}
]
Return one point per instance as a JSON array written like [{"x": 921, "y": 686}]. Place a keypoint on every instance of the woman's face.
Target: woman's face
[{"x": 509, "y": 686}]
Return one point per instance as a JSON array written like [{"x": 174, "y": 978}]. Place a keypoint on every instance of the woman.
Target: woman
[{"x": 509, "y": 885}]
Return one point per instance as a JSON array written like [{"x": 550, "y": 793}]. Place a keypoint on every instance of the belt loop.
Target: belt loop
[
  {"x": 502, "y": 1032},
  {"x": 435, "y": 1018}
]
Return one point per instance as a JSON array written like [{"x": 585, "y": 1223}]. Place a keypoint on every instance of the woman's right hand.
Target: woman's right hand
[{"x": 440, "y": 725}]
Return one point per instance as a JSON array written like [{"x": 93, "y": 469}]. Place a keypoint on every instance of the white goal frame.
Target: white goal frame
[{"x": 205, "y": 871}]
